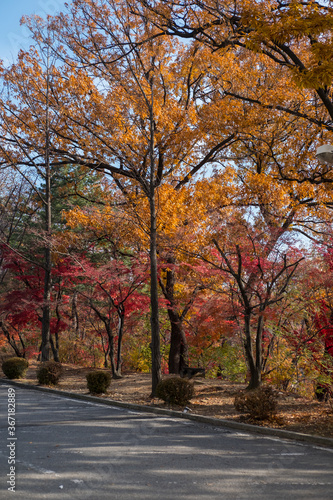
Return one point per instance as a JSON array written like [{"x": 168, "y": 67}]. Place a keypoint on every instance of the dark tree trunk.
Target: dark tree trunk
[
  {"x": 154, "y": 318},
  {"x": 45, "y": 347},
  {"x": 178, "y": 355},
  {"x": 254, "y": 365},
  {"x": 259, "y": 356},
  {"x": 45, "y": 351},
  {"x": 111, "y": 350},
  {"x": 55, "y": 350},
  {"x": 105, "y": 351},
  {"x": 12, "y": 342},
  {"x": 121, "y": 314},
  {"x": 75, "y": 316},
  {"x": 55, "y": 345}
]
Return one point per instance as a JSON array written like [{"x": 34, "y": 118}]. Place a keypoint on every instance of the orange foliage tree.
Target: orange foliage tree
[
  {"x": 291, "y": 40},
  {"x": 130, "y": 101},
  {"x": 132, "y": 108}
]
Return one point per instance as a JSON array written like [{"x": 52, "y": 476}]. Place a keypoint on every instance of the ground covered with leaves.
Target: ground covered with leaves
[{"x": 213, "y": 398}]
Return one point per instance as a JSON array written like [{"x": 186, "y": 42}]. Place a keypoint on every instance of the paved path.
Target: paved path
[{"x": 69, "y": 449}]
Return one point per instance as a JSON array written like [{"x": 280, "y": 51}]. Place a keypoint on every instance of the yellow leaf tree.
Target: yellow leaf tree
[{"x": 127, "y": 109}]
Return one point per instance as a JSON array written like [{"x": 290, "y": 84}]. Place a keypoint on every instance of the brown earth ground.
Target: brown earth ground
[{"x": 213, "y": 398}]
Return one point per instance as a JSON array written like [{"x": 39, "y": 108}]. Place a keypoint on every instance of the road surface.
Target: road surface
[{"x": 61, "y": 448}]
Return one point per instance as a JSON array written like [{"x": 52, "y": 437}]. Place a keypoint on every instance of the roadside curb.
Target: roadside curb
[{"x": 216, "y": 422}]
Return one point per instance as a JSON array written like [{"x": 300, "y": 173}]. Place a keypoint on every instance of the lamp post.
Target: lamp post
[{"x": 324, "y": 154}]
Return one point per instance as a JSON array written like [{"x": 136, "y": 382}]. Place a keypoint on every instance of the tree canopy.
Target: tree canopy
[{"x": 179, "y": 136}]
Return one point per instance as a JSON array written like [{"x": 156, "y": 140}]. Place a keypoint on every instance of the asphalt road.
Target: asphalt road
[{"x": 68, "y": 449}]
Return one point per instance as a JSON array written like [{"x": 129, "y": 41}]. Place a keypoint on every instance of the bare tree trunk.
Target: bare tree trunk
[
  {"x": 259, "y": 356},
  {"x": 111, "y": 349},
  {"x": 46, "y": 308},
  {"x": 75, "y": 316},
  {"x": 121, "y": 315},
  {"x": 45, "y": 351},
  {"x": 55, "y": 345},
  {"x": 253, "y": 364},
  {"x": 178, "y": 355},
  {"x": 154, "y": 319},
  {"x": 106, "y": 353},
  {"x": 54, "y": 350},
  {"x": 12, "y": 342}
]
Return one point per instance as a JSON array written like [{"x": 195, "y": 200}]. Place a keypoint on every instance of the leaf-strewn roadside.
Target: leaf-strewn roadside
[{"x": 213, "y": 398}]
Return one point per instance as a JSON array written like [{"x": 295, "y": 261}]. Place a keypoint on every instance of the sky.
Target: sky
[{"x": 12, "y": 35}]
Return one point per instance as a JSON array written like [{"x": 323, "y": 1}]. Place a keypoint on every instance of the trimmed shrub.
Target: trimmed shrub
[
  {"x": 49, "y": 373},
  {"x": 98, "y": 381},
  {"x": 15, "y": 367},
  {"x": 323, "y": 392},
  {"x": 259, "y": 404},
  {"x": 175, "y": 391}
]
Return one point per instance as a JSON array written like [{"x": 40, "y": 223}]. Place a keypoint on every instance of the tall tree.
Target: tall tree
[
  {"x": 260, "y": 282},
  {"x": 29, "y": 91},
  {"x": 132, "y": 109}
]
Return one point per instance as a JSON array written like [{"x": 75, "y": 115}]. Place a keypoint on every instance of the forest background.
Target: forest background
[{"x": 161, "y": 202}]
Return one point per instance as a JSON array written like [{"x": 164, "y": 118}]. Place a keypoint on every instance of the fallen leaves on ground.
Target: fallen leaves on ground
[{"x": 213, "y": 398}]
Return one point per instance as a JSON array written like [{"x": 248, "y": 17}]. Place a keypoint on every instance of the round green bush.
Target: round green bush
[
  {"x": 15, "y": 367},
  {"x": 49, "y": 373},
  {"x": 175, "y": 390},
  {"x": 98, "y": 381},
  {"x": 259, "y": 404}
]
